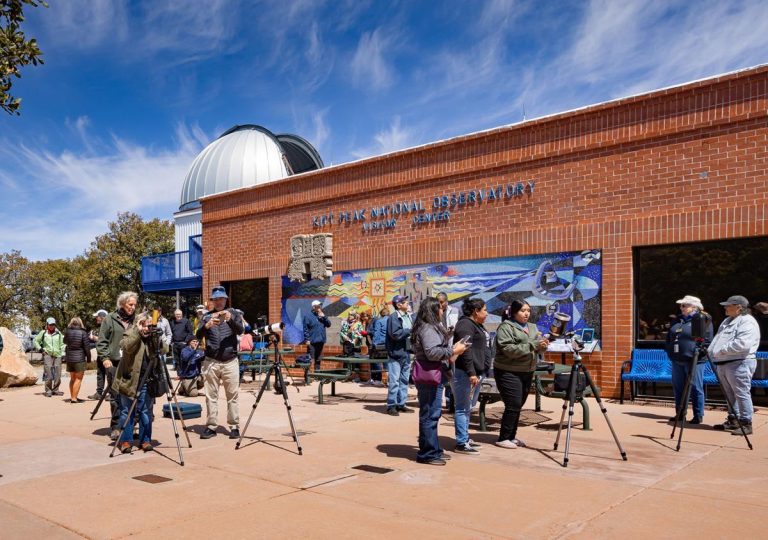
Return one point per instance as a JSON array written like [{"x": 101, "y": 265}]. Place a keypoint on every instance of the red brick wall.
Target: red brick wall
[{"x": 678, "y": 165}]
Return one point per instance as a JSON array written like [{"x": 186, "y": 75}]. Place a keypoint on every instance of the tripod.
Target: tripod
[
  {"x": 279, "y": 383},
  {"x": 154, "y": 358},
  {"x": 680, "y": 418},
  {"x": 570, "y": 399}
]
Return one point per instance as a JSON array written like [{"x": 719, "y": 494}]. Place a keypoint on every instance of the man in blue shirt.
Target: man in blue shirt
[
  {"x": 314, "y": 324},
  {"x": 398, "y": 343}
]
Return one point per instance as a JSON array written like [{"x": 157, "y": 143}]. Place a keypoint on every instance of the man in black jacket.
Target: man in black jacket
[
  {"x": 180, "y": 329},
  {"x": 221, "y": 327}
]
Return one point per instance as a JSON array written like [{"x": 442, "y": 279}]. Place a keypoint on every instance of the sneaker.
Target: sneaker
[
  {"x": 58, "y": 393},
  {"x": 392, "y": 411},
  {"x": 695, "y": 420},
  {"x": 114, "y": 434},
  {"x": 506, "y": 444},
  {"x": 48, "y": 393},
  {"x": 147, "y": 446},
  {"x": 728, "y": 425},
  {"x": 465, "y": 449},
  {"x": 234, "y": 433},
  {"x": 737, "y": 429},
  {"x": 125, "y": 447},
  {"x": 474, "y": 444},
  {"x": 405, "y": 409},
  {"x": 95, "y": 397},
  {"x": 436, "y": 461},
  {"x": 207, "y": 434},
  {"x": 519, "y": 443},
  {"x": 445, "y": 457}
]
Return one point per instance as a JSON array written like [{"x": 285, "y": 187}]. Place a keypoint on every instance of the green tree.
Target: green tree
[
  {"x": 14, "y": 275},
  {"x": 15, "y": 49},
  {"x": 48, "y": 291},
  {"x": 113, "y": 263}
]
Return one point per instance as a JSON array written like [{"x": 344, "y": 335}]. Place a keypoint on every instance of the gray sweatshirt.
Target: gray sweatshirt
[{"x": 736, "y": 339}]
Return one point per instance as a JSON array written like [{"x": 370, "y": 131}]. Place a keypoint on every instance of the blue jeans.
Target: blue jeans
[
  {"x": 464, "y": 398},
  {"x": 737, "y": 383},
  {"x": 142, "y": 409},
  {"x": 398, "y": 371},
  {"x": 430, "y": 409},
  {"x": 679, "y": 376}
]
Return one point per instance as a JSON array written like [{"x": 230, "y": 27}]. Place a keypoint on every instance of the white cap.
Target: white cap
[
  {"x": 316, "y": 303},
  {"x": 50, "y": 320},
  {"x": 692, "y": 301}
]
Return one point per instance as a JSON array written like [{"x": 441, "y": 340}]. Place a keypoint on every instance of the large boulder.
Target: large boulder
[{"x": 15, "y": 370}]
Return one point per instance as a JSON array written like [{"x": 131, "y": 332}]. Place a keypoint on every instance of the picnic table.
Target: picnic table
[
  {"x": 352, "y": 364},
  {"x": 544, "y": 371},
  {"x": 259, "y": 360}
]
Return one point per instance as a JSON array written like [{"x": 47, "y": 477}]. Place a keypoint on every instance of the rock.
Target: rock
[{"x": 15, "y": 370}]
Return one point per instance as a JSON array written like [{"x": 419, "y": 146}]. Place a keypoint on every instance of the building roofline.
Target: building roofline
[{"x": 550, "y": 118}]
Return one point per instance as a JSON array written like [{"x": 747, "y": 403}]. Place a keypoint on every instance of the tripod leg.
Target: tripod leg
[
  {"x": 127, "y": 419},
  {"x": 562, "y": 415},
  {"x": 728, "y": 401},
  {"x": 172, "y": 396},
  {"x": 264, "y": 386},
  {"x": 599, "y": 401},
  {"x": 279, "y": 376},
  {"x": 571, "y": 401},
  {"x": 101, "y": 400},
  {"x": 681, "y": 415}
]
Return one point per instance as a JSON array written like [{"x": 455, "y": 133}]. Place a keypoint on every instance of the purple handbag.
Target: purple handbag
[{"x": 426, "y": 372}]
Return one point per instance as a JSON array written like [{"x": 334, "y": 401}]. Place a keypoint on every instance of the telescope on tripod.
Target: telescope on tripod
[
  {"x": 272, "y": 335},
  {"x": 578, "y": 380}
]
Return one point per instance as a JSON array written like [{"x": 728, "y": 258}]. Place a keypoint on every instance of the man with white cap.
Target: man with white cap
[
  {"x": 51, "y": 344},
  {"x": 315, "y": 322},
  {"x": 681, "y": 348},
  {"x": 733, "y": 353},
  {"x": 101, "y": 371}
]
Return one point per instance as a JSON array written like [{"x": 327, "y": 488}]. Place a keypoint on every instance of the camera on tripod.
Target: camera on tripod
[
  {"x": 266, "y": 331},
  {"x": 700, "y": 321}
]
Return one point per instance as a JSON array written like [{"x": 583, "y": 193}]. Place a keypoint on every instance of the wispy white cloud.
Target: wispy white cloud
[
  {"x": 370, "y": 66},
  {"x": 67, "y": 198},
  {"x": 394, "y": 137}
]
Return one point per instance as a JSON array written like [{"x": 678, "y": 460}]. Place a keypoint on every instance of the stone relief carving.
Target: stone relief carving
[{"x": 311, "y": 257}]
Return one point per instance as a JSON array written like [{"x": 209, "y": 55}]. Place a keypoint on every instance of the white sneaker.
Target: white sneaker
[
  {"x": 519, "y": 443},
  {"x": 506, "y": 444}
]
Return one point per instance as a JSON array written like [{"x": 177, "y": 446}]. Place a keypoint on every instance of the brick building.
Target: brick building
[{"x": 650, "y": 178}]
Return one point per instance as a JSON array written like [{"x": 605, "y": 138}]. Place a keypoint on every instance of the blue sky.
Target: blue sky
[{"x": 131, "y": 91}]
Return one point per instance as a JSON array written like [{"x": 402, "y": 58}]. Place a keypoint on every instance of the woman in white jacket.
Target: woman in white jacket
[{"x": 733, "y": 352}]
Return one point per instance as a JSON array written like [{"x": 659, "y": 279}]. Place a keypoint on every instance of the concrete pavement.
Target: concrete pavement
[{"x": 58, "y": 481}]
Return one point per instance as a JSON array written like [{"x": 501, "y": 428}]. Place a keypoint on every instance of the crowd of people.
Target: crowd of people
[{"x": 438, "y": 350}]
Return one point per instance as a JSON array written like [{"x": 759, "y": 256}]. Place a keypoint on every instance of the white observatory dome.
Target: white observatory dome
[{"x": 245, "y": 156}]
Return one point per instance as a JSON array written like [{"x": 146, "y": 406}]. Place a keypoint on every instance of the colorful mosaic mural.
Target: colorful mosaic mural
[{"x": 566, "y": 282}]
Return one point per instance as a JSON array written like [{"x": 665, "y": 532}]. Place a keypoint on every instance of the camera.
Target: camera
[
  {"x": 699, "y": 323},
  {"x": 263, "y": 326},
  {"x": 558, "y": 326}
]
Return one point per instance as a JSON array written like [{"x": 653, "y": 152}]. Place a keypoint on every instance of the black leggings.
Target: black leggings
[{"x": 513, "y": 387}]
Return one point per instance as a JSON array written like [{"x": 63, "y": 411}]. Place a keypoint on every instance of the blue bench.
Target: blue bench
[{"x": 653, "y": 366}]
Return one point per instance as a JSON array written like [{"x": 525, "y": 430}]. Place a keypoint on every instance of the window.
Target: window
[{"x": 713, "y": 271}]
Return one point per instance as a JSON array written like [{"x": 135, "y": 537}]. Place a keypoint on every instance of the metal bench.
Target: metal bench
[{"x": 654, "y": 366}]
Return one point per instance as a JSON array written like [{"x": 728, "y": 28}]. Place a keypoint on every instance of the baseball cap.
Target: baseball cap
[
  {"x": 201, "y": 307},
  {"x": 399, "y": 299},
  {"x": 218, "y": 292},
  {"x": 316, "y": 303},
  {"x": 736, "y": 300},
  {"x": 101, "y": 313},
  {"x": 50, "y": 320}
]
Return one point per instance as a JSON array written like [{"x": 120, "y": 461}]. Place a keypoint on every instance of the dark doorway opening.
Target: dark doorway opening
[
  {"x": 251, "y": 296},
  {"x": 713, "y": 271}
]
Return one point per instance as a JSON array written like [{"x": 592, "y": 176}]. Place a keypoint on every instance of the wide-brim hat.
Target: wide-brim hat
[{"x": 691, "y": 301}]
